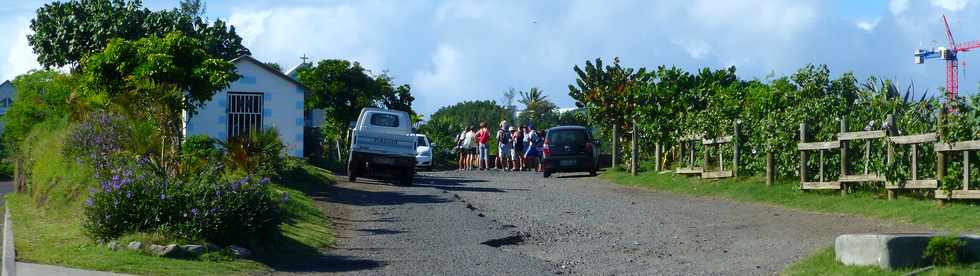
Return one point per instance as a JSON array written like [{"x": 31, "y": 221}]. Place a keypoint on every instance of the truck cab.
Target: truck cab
[{"x": 382, "y": 142}]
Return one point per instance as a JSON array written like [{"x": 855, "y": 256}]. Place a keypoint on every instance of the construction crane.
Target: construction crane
[{"x": 950, "y": 55}]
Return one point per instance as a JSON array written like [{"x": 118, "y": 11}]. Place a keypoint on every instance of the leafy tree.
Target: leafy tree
[
  {"x": 449, "y": 121},
  {"x": 64, "y": 32},
  {"x": 194, "y": 8},
  {"x": 538, "y": 110},
  {"x": 342, "y": 88},
  {"x": 157, "y": 78},
  {"x": 609, "y": 94},
  {"x": 41, "y": 95}
]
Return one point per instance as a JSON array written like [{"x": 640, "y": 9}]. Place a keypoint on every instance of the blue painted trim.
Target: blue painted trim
[
  {"x": 247, "y": 79},
  {"x": 297, "y": 153},
  {"x": 266, "y": 112},
  {"x": 223, "y": 120},
  {"x": 299, "y": 104},
  {"x": 223, "y": 103},
  {"x": 299, "y": 137},
  {"x": 266, "y": 97},
  {"x": 222, "y": 135},
  {"x": 300, "y": 90},
  {"x": 299, "y": 121}
]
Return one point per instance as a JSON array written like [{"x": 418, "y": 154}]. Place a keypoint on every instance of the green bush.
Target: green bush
[
  {"x": 138, "y": 198},
  {"x": 944, "y": 250},
  {"x": 260, "y": 152}
]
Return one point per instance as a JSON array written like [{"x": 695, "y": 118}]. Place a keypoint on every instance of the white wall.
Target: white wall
[{"x": 282, "y": 107}]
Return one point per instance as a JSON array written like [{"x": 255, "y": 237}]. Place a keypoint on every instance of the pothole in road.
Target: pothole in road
[{"x": 515, "y": 239}]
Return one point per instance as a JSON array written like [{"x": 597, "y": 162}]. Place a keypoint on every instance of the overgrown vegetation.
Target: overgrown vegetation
[
  {"x": 668, "y": 103},
  {"x": 944, "y": 250}
]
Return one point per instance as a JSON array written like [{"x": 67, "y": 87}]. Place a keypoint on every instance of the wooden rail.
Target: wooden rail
[{"x": 688, "y": 145}]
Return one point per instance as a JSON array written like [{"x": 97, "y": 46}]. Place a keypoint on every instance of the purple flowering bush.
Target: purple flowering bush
[{"x": 137, "y": 199}]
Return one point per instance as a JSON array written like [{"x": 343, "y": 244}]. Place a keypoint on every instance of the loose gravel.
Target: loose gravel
[{"x": 518, "y": 223}]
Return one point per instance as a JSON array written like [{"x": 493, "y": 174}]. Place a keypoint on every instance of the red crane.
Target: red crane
[{"x": 950, "y": 55}]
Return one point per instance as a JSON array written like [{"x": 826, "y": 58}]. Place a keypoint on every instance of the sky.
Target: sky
[{"x": 451, "y": 51}]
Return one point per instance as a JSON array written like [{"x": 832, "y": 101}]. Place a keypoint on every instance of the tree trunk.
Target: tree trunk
[{"x": 633, "y": 151}]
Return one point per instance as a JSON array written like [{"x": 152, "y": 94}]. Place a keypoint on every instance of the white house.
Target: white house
[
  {"x": 316, "y": 117},
  {"x": 263, "y": 97},
  {"x": 6, "y": 99}
]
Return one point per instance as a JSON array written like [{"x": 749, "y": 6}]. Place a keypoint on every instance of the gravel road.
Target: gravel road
[{"x": 505, "y": 223}]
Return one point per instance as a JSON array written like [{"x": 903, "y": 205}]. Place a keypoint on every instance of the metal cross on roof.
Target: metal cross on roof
[{"x": 304, "y": 58}]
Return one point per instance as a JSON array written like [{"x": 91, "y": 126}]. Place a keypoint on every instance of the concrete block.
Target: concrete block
[{"x": 891, "y": 251}]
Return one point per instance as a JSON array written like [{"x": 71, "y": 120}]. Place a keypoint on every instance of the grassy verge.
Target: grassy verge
[
  {"x": 956, "y": 217},
  {"x": 824, "y": 263},
  {"x": 53, "y": 234}
]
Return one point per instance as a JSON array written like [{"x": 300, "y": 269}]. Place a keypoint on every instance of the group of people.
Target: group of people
[{"x": 518, "y": 148}]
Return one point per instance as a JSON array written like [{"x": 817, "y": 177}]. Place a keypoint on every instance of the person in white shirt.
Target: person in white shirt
[{"x": 469, "y": 143}]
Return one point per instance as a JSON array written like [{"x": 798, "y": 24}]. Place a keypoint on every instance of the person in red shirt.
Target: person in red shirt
[{"x": 482, "y": 138}]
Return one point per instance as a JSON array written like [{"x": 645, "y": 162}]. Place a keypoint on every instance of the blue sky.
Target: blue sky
[{"x": 451, "y": 51}]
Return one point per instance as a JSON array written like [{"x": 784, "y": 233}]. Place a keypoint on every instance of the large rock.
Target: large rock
[
  {"x": 891, "y": 251},
  {"x": 195, "y": 249},
  {"x": 114, "y": 245},
  {"x": 164, "y": 251},
  {"x": 239, "y": 251},
  {"x": 136, "y": 245}
]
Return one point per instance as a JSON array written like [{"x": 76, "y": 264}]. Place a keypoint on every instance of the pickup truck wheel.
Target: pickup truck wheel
[
  {"x": 407, "y": 177},
  {"x": 547, "y": 174},
  {"x": 352, "y": 171}
]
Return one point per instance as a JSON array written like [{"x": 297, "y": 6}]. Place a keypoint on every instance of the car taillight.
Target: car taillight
[
  {"x": 545, "y": 149},
  {"x": 588, "y": 147}
]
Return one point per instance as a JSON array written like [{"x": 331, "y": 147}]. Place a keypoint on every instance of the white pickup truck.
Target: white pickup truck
[{"x": 382, "y": 142}]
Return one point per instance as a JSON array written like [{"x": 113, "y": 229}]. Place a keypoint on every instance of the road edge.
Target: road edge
[{"x": 9, "y": 255}]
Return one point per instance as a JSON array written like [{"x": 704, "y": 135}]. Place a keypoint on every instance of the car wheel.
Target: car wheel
[
  {"x": 593, "y": 172},
  {"x": 546, "y": 174},
  {"x": 352, "y": 171}
]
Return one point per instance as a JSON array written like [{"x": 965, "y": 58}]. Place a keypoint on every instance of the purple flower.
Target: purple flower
[
  {"x": 163, "y": 196},
  {"x": 129, "y": 195},
  {"x": 285, "y": 197},
  {"x": 194, "y": 211},
  {"x": 265, "y": 180},
  {"x": 89, "y": 202}
]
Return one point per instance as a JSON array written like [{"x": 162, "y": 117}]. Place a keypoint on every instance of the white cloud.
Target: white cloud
[
  {"x": 867, "y": 25},
  {"x": 446, "y": 80},
  {"x": 20, "y": 56},
  {"x": 950, "y": 5},
  {"x": 697, "y": 49},
  {"x": 897, "y": 7}
]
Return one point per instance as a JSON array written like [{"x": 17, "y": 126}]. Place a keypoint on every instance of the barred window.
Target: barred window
[{"x": 244, "y": 113}]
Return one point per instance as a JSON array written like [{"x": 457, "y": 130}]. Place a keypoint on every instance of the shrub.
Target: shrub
[
  {"x": 139, "y": 198},
  {"x": 944, "y": 250},
  {"x": 96, "y": 140},
  {"x": 258, "y": 153}
]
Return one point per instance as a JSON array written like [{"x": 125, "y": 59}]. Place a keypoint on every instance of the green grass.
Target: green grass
[
  {"x": 955, "y": 217},
  {"x": 53, "y": 234},
  {"x": 824, "y": 263},
  {"x": 48, "y": 220}
]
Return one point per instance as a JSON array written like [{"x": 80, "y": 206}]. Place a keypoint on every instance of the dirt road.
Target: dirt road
[{"x": 503, "y": 223}]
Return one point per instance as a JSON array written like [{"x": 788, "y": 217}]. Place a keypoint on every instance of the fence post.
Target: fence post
[
  {"x": 656, "y": 154},
  {"x": 615, "y": 144},
  {"x": 736, "y": 150},
  {"x": 803, "y": 155},
  {"x": 633, "y": 150},
  {"x": 890, "y": 154},
  {"x": 940, "y": 156},
  {"x": 843, "y": 156},
  {"x": 769, "y": 168}
]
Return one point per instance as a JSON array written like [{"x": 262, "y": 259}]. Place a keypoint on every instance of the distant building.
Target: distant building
[
  {"x": 6, "y": 99},
  {"x": 263, "y": 98}
]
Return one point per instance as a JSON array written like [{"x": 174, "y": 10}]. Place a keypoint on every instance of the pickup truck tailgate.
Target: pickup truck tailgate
[{"x": 386, "y": 144}]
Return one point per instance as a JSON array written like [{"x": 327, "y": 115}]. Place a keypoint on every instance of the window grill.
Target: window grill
[{"x": 244, "y": 113}]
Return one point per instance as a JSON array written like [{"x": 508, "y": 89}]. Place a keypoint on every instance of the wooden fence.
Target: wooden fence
[{"x": 688, "y": 147}]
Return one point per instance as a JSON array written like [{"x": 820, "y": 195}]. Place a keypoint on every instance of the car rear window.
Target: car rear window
[
  {"x": 568, "y": 137},
  {"x": 422, "y": 142},
  {"x": 384, "y": 119}
]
